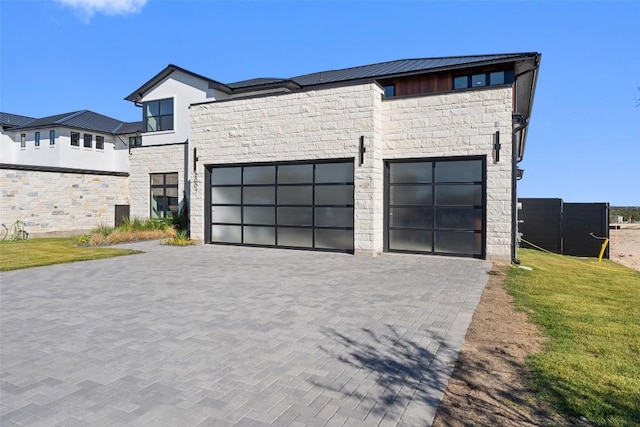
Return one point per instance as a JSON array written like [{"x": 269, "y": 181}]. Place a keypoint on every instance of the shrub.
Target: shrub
[{"x": 180, "y": 239}]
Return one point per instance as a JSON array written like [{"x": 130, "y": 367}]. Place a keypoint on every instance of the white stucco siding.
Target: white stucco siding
[
  {"x": 320, "y": 124},
  {"x": 61, "y": 203},
  {"x": 146, "y": 161},
  {"x": 459, "y": 124},
  {"x": 185, "y": 90},
  {"x": 62, "y": 154}
]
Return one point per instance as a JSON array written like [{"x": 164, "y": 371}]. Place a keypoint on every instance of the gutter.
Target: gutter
[{"x": 517, "y": 154}]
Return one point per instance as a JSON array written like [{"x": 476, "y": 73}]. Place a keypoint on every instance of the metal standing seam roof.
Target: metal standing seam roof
[
  {"x": 129, "y": 127},
  {"x": 83, "y": 119},
  {"x": 390, "y": 69}
]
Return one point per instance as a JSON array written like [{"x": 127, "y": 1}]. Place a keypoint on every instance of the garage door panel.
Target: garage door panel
[
  {"x": 295, "y": 195},
  {"x": 334, "y": 239},
  {"x": 411, "y": 195},
  {"x": 295, "y": 174},
  {"x": 410, "y": 240},
  {"x": 459, "y": 218},
  {"x": 459, "y": 194},
  {"x": 259, "y": 215},
  {"x": 226, "y": 233},
  {"x": 259, "y": 195},
  {"x": 296, "y": 237},
  {"x": 259, "y": 235},
  {"x": 259, "y": 175},
  {"x": 334, "y": 194},
  {"x": 410, "y": 172},
  {"x": 411, "y": 217},
  {"x": 334, "y": 217},
  {"x": 226, "y": 195},
  {"x": 226, "y": 214},
  {"x": 227, "y": 176},
  {"x": 458, "y": 242},
  {"x": 334, "y": 172}
]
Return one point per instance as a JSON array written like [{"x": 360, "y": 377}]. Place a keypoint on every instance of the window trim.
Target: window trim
[
  {"x": 137, "y": 141},
  {"x": 99, "y": 142},
  {"x": 159, "y": 117}
]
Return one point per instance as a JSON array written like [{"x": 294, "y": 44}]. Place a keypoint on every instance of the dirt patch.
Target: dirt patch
[
  {"x": 490, "y": 384},
  {"x": 625, "y": 246}
]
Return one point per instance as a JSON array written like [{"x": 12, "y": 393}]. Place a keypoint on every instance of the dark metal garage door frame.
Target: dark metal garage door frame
[
  {"x": 314, "y": 184},
  {"x": 432, "y": 206}
]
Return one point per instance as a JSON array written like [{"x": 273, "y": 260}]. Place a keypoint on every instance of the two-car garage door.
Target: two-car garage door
[{"x": 432, "y": 206}]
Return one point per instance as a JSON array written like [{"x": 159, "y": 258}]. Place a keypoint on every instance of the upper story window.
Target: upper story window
[
  {"x": 99, "y": 142},
  {"x": 37, "y": 139},
  {"x": 23, "y": 140},
  {"x": 484, "y": 79},
  {"x": 52, "y": 137},
  {"x": 158, "y": 115},
  {"x": 75, "y": 139},
  {"x": 135, "y": 141},
  {"x": 88, "y": 140},
  {"x": 389, "y": 91}
]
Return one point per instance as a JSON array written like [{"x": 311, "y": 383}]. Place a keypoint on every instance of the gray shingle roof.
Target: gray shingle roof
[
  {"x": 9, "y": 120},
  {"x": 84, "y": 119}
]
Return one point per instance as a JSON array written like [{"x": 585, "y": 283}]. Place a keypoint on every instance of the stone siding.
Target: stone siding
[
  {"x": 58, "y": 203},
  {"x": 146, "y": 160}
]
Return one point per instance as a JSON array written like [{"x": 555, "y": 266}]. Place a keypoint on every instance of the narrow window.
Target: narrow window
[
  {"x": 88, "y": 140},
  {"x": 158, "y": 115},
  {"x": 52, "y": 137},
  {"x": 23, "y": 140},
  {"x": 478, "y": 80},
  {"x": 496, "y": 78},
  {"x": 75, "y": 139},
  {"x": 135, "y": 141},
  {"x": 99, "y": 142},
  {"x": 164, "y": 194},
  {"x": 37, "y": 139}
]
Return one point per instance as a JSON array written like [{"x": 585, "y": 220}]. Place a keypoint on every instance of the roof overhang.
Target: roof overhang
[
  {"x": 525, "y": 87},
  {"x": 138, "y": 94}
]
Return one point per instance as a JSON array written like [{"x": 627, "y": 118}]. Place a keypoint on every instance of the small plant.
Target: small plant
[
  {"x": 180, "y": 239},
  {"x": 132, "y": 229}
]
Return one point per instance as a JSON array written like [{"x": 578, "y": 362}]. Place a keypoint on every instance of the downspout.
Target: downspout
[{"x": 515, "y": 159}]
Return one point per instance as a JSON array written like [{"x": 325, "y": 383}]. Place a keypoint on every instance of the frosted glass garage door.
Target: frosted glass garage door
[
  {"x": 292, "y": 205},
  {"x": 436, "y": 206}
]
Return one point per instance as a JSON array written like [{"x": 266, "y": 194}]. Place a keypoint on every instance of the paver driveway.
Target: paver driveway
[{"x": 214, "y": 335}]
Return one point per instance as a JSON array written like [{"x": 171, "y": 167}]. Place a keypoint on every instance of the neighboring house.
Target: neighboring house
[
  {"x": 64, "y": 173},
  {"x": 415, "y": 155}
]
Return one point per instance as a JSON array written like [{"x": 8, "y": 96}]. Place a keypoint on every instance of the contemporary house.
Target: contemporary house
[
  {"x": 416, "y": 155},
  {"x": 66, "y": 172}
]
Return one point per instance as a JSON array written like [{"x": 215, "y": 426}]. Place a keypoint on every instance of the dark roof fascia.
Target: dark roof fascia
[
  {"x": 285, "y": 84},
  {"x": 138, "y": 94},
  {"x": 61, "y": 125}
]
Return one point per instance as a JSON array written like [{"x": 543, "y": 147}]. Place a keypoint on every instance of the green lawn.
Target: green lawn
[
  {"x": 591, "y": 311},
  {"x": 39, "y": 252}
]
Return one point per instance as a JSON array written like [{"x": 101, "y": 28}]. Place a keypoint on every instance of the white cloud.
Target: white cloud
[{"x": 88, "y": 8}]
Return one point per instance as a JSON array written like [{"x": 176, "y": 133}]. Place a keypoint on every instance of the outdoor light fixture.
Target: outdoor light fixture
[
  {"x": 195, "y": 159},
  {"x": 362, "y": 150},
  {"x": 519, "y": 173},
  {"x": 496, "y": 147}
]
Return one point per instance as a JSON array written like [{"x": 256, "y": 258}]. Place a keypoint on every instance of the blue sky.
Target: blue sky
[{"x": 584, "y": 137}]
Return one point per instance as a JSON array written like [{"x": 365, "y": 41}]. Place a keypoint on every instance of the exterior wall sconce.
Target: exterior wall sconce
[
  {"x": 496, "y": 147},
  {"x": 519, "y": 173},
  {"x": 363, "y": 150},
  {"x": 195, "y": 159}
]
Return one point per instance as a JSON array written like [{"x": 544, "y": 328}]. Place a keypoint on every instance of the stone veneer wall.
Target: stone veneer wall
[
  {"x": 327, "y": 123},
  {"x": 318, "y": 124},
  {"x": 459, "y": 124},
  {"x": 60, "y": 203},
  {"x": 146, "y": 160}
]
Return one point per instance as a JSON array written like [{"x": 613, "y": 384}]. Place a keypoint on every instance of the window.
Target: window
[
  {"x": 37, "y": 139},
  {"x": 135, "y": 141},
  {"x": 389, "y": 91},
  {"x": 88, "y": 140},
  {"x": 52, "y": 137},
  {"x": 99, "y": 142},
  {"x": 23, "y": 140},
  {"x": 75, "y": 139},
  {"x": 164, "y": 194},
  {"x": 158, "y": 115},
  {"x": 493, "y": 78}
]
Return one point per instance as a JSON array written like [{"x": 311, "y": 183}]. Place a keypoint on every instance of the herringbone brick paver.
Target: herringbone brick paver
[{"x": 233, "y": 336}]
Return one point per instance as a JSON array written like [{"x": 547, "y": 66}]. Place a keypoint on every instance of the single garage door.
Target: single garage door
[
  {"x": 289, "y": 205},
  {"x": 435, "y": 206}
]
